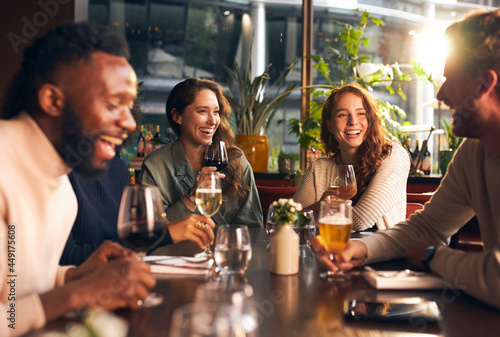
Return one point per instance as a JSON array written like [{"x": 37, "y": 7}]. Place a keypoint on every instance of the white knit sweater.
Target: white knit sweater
[{"x": 384, "y": 201}]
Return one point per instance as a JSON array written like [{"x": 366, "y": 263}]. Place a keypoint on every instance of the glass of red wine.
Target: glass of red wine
[
  {"x": 216, "y": 155},
  {"x": 142, "y": 224}
]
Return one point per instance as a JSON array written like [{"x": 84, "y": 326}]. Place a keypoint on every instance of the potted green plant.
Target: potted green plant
[
  {"x": 346, "y": 56},
  {"x": 286, "y": 162},
  {"x": 453, "y": 142},
  {"x": 254, "y": 106}
]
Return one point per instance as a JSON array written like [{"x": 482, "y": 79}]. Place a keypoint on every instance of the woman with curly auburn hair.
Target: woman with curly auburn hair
[
  {"x": 199, "y": 114},
  {"x": 353, "y": 134}
]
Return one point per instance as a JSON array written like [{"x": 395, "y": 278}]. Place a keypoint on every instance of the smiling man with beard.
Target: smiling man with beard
[
  {"x": 67, "y": 108},
  {"x": 472, "y": 183}
]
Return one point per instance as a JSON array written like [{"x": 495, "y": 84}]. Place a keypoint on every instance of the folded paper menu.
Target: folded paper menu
[
  {"x": 405, "y": 279},
  {"x": 180, "y": 265}
]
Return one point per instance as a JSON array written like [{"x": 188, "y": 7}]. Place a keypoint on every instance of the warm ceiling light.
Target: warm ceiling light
[
  {"x": 412, "y": 32},
  {"x": 226, "y": 13}
]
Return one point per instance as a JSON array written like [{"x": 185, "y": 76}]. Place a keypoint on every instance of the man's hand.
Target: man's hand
[
  {"x": 415, "y": 252},
  {"x": 195, "y": 227},
  {"x": 353, "y": 255},
  {"x": 121, "y": 282},
  {"x": 107, "y": 251}
]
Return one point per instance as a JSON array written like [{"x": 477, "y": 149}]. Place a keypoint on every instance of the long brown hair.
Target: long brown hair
[
  {"x": 376, "y": 146},
  {"x": 184, "y": 94}
]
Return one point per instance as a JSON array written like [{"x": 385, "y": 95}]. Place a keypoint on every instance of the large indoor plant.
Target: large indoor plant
[
  {"x": 350, "y": 66},
  {"x": 254, "y": 105},
  {"x": 453, "y": 142}
]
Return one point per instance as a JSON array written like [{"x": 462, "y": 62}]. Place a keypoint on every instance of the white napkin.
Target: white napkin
[
  {"x": 395, "y": 279},
  {"x": 184, "y": 265}
]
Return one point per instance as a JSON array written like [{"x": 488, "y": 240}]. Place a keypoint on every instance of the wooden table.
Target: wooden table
[{"x": 305, "y": 305}]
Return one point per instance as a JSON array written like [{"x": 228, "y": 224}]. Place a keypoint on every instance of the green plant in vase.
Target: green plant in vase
[
  {"x": 286, "y": 162},
  {"x": 453, "y": 142},
  {"x": 254, "y": 106}
]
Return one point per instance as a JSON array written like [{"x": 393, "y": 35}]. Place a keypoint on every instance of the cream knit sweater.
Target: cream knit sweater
[{"x": 384, "y": 201}]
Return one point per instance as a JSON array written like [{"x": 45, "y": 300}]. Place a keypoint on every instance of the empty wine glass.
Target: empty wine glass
[
  {"x": 208, "y": 200},
  {"x": 233, "y": 249},
  {"x": 270, "y": 222},
  {"x": 335, "y": 222},
  {"x": 207, "y": 320},
  {"x": 343, "y": 182},
  {"x": 237, "y": 294},
  {"x": 216, "y": 155},
  {"x": 142, "y": 224}
]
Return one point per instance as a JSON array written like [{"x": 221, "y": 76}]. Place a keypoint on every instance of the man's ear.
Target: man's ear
[
  {"x": 488, "y": 81},
  {"x": 176, "y": 116},
  {"x": 51, "y": 99}
]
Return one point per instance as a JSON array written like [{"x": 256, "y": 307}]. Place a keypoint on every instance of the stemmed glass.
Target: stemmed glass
[
  {"x": 233, "y": 249},
  {"x": 208, "y": 320},
  {"x": 237, "y": 294},
  {"x": 208, "y": 200},
  {"x": 142, "y": 224},
  {"x": 343, "y": 182},
  {"x": 335, "y": 222},
  {"x": 216, "y": 155}
]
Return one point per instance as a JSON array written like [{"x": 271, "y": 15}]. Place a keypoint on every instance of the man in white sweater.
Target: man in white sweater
[
  {"x": 67, "y": 108},
  {"x": 472, "y": 184}
]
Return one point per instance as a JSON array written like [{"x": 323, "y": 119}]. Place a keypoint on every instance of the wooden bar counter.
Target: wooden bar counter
[{"x": 305, "y": 305}]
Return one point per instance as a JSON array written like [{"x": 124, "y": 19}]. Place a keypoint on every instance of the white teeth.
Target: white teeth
[
  {"x": 112, "y": 140},
  {"x": 353, "y": 132},
  {"x": 207, "y": 130}
]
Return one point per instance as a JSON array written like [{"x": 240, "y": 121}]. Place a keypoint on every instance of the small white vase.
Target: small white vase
[{"x": 284, "y": 251}]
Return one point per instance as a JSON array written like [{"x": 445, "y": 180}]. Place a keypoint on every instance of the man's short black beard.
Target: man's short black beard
[{"x": 78, "y": 147}]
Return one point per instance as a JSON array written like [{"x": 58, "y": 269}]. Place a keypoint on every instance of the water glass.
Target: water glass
[
  {"x": 207, "y": 320},
  {"x": 239, "y": 295},
  {"x": 233, "y": 249}
]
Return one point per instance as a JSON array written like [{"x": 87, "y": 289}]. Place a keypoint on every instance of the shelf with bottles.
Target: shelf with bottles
[{"x": 423, "y": 162}]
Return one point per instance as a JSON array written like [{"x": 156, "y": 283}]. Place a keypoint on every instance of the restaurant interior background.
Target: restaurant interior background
[{"x": 174, "y": 39}]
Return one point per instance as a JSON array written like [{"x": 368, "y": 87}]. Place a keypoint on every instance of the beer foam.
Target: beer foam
[{"x": 335, "y": 219}]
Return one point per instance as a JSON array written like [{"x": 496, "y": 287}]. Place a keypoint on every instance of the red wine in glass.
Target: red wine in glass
[
  {"x": 137, "y": 236},
  {"x": 216, "y": 155},
  {"x": 142, "y": 224},
  {"x": 217, "y": 163}
]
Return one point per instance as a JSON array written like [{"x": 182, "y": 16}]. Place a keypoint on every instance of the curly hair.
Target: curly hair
[
  {"x": 184, "y": 94},
  {"x": 62, "y": 45},
  {"x": 475, "y": 41},
  {"x": 376, "y": 145}
]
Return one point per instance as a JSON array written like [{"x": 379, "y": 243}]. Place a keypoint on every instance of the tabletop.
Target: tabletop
[{"x": 306, "y": 305}]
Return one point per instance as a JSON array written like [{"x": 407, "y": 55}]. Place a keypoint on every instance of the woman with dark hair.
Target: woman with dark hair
[
  {"x": 199, "y": 114},
  {"x": 353, "y": 134}
]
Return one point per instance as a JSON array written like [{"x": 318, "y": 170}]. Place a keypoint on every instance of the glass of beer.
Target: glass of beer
[
  {"x": 335, "y": 223},
  {"x": 343, "y": 182}
]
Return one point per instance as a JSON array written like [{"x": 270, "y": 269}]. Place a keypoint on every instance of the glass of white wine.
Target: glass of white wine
[
  {"x": 208, "y": 200},
  {"x": 343, "y": 183}
]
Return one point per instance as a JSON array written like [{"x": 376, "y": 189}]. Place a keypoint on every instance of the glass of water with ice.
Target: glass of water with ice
[{"x": 233, "y": 249}]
